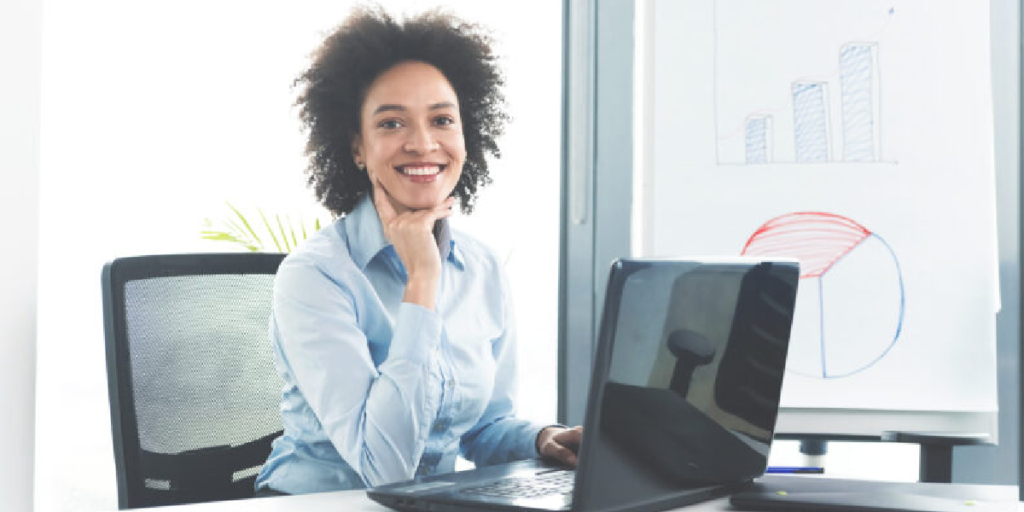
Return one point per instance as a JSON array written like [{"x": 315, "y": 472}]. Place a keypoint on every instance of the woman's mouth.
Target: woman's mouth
[
  {"x": 420, "y": 169},
  {"x": 421, "y": 173}
]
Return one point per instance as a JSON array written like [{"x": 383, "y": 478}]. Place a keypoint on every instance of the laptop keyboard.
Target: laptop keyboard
[{"x": 556, "y": 481}]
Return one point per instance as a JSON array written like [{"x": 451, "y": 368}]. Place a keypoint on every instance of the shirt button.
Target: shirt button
[
  {"x": 429, "y": 461},
  {"x": 442, "y": 424}
]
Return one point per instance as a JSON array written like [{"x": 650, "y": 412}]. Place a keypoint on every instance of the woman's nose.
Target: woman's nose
[{"x": 420, "y": 140}]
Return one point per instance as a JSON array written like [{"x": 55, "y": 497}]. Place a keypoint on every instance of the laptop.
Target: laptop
[{"x": 683, "y": 398}]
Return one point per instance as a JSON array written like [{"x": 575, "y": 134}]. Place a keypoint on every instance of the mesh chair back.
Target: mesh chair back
[{"x": 194, "y": 397}]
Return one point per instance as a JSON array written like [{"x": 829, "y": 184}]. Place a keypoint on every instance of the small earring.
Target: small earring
[{"x": 361, "y": 166}]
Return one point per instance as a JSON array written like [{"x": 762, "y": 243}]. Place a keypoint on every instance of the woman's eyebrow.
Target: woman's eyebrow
[
  {"x": 443, "y": 104},
  {"x": 399, "y": 108},
  {"x": 386, "y": 107}
]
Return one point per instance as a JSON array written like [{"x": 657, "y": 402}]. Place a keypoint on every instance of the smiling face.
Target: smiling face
[{"x": 411, "y": 136}]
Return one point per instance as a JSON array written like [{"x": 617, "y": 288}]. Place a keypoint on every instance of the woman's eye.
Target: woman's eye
[
  {"x": 444, "y": 121},
  {"x": 389, "y": 124}
]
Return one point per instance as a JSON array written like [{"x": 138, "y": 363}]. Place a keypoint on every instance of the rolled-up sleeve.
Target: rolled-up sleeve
[
  {"x": 499, "y": 436},
  {"x": 377, "y": 419}
]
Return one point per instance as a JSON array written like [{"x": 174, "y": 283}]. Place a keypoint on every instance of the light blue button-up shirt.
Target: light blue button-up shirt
[{"x": 378, "y": 390}]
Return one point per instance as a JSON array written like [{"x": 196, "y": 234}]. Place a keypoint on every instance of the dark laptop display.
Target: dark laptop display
[
  {"x": 686, "y": 391},
  {"x": 683, "y": 399}
]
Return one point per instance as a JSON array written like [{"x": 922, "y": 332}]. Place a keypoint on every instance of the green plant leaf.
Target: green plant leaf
[
  {"x": 284, "y": 236},
  {"x": 237, "y": 229},
  {"x": 221, "y": 236},
  {"x": 246, "y": 222},
  {"x": 240, "y": 232},
  {"x": 291, "y": 229},
  {"x": 270, "y": 230}
]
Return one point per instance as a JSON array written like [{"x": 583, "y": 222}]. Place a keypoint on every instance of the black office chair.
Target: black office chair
[{"x": 194, "y": 398}]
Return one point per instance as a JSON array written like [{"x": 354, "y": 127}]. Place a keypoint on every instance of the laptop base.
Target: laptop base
[{"x": 445, "y": 493}]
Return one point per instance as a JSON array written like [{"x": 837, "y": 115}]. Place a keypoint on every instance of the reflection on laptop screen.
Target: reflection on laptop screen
[{"x": 693, "y": 378}]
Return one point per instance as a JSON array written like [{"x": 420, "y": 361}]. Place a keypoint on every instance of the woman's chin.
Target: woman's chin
[
  {"x": 422, "y": 203},
  {"x": 415, "y": 205}
]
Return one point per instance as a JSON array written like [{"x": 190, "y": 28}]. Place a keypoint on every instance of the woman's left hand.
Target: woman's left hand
[{"x": 560, "y": 444}]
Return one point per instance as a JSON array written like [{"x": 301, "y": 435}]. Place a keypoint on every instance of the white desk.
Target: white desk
[
  {"x": 356, "y": 501},
  {"x": 342, "y": 501}
]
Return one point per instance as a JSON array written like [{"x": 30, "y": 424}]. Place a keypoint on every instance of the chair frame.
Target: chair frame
[{"x": 131, "y": 489}]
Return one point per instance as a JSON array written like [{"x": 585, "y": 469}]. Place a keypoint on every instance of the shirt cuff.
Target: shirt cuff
[{"x": 417, "y": 333}]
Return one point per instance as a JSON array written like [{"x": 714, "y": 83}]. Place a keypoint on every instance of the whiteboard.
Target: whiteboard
[{"x": 857, "y": 137}]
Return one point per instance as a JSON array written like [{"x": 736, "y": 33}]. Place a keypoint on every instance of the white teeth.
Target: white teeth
[{"x": 421, "y": 171}]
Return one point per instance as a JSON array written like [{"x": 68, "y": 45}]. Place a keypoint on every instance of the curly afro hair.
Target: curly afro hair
[{"x": 367, "y": 44}]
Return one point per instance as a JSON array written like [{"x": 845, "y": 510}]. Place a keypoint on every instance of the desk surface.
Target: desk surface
[
  {"x": 347, "y": 501},
  {"x": 356, "y": 501}
]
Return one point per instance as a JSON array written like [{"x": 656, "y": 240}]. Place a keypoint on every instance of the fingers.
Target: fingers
[
  {"x": 418, "y": 220},
  {"x": 399, "y": 225},
  {"x": 570, "y": 438},
  {"x": 560, "y": 453},
  {"x": 386, "y": 211},
  {"x": 554, "y": 450},
  {"x": 563, "y": 445}
]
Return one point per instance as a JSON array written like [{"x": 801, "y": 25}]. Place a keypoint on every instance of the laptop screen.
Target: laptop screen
[{"x": 687, "y": 378}]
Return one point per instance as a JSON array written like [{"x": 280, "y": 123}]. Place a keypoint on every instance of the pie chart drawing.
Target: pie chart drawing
[{"x": 851, "y": 301}]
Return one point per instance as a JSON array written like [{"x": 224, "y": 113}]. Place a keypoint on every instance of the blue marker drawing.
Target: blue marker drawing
[
  {"x": 811, "y": 122},
  {"x": 852, "y": 301},
  {"x": 833, "y": 112},
  {"x": 759, "y": 139},
  {"x": 858, "y": 76}
]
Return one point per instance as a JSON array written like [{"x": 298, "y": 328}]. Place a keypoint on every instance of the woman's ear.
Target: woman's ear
[{"x": 357, "y": 151}]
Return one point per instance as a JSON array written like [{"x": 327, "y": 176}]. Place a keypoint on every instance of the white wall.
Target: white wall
[{"x": 20, "y": 57}]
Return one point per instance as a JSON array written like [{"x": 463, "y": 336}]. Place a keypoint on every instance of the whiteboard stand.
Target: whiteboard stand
[
  {"x": 814, "y": 451},
  {"x": 936, "y": 450}
]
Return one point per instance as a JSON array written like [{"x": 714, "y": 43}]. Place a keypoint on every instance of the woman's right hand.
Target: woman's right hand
[{"x": 412, "y": 234}]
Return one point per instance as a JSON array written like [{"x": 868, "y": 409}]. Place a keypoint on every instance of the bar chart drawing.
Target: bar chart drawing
[
  {"x": 861, "y": 106},
  {"x": 852, "y": 299},
  {"x": 759, "y": 141},
  {"x": 827, "y": 110},
  {"x": 811, "y": 122}
]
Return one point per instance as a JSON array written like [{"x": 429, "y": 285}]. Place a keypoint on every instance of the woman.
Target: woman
[{"x": 393, "y": 333}]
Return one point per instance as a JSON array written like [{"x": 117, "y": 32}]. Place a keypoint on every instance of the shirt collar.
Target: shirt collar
[{"x": 366, "y": 236}]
